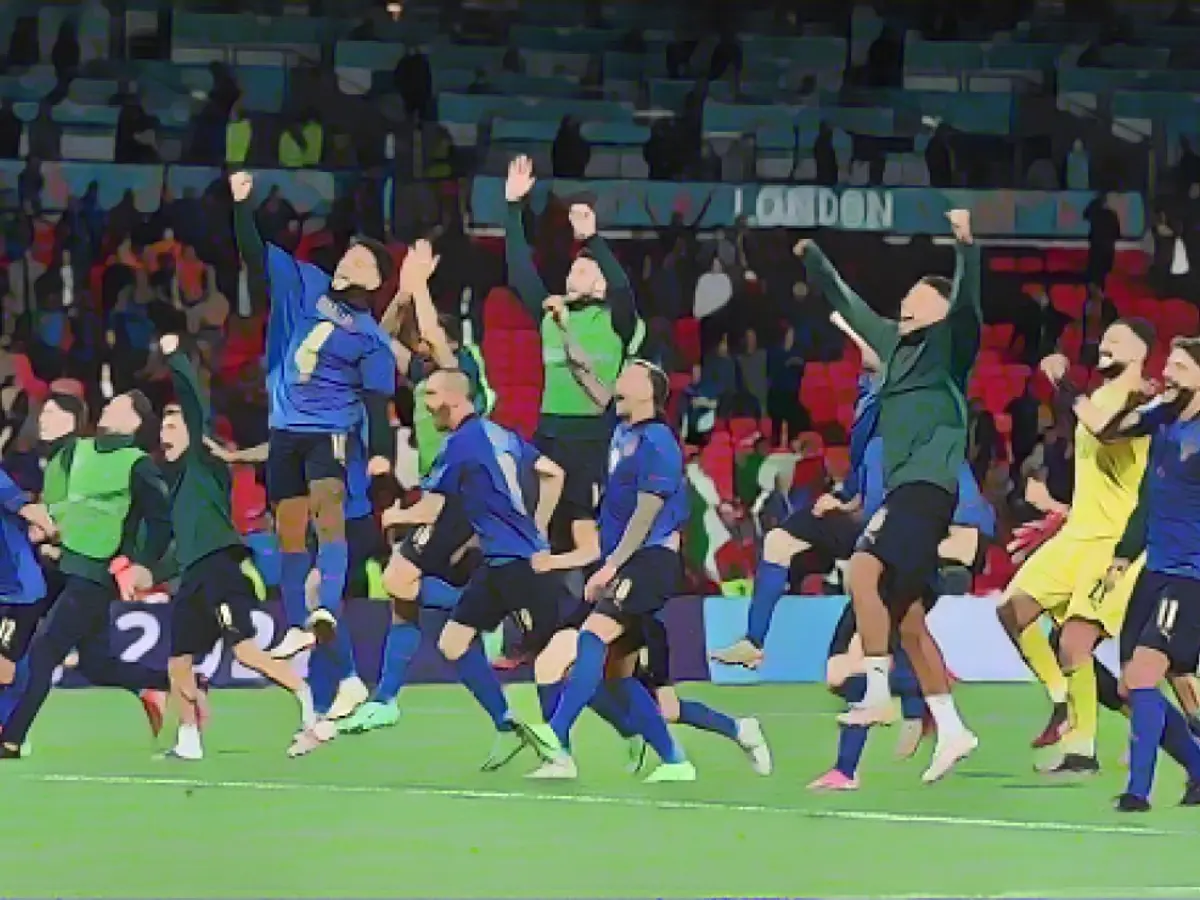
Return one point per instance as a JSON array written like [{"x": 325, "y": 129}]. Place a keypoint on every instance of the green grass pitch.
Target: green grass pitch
[{"x": 405, "y": 812}]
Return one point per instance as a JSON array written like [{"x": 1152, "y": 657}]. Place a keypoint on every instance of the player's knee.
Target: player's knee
[
  {"x": 668, "y": 704},
  {"x": 1078, "y": 640},
  {"x": 1145, "y": 670},
  {"x": 405, "y": 612},
  {"x": 863, "y": 575},
  {"x": 779, "y": 547},
  {"x": 455, "y": 640},
  {"x": 327, "y": 498},
  {"x": 291, "y": 524},
  {"x": 402, "y": 579}
]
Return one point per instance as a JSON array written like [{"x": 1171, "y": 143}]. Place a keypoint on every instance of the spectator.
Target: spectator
[
  {"x": 238, "y": 135},
  {"x": 1024, "y": 411},
  {"x": 825, "y": 157},
  {"x": 301, "y": 142},
  {"x": 1098, "y": 313},
  {"x": 570, "y": 153},
  {"x": 982, "y": 440},
  {"x": 65, "y": 54},
  {"x": 24, "y": 48},
  {"x": 939, "y": 157},
  {"x": 10, "y": 131},
  {"x": 720, "y": 376},
  {"x": 752, "y": 371},
  {"x": 23, "y": 274},
  {"x": 413, "y": 80},
  {"x": 700, "y": 409},
  {"x": 45, "y": 135},
  {"x": 1078, "y": 168},
  {"x": 1039, "y": 325},
  {"x": 136, "y": 141},
  {"x": 1104, "y": 232},
  {"x": 785, "y": 371},
  {"x": 714, "y": 290},
  {"x": 29, "y": 186}
]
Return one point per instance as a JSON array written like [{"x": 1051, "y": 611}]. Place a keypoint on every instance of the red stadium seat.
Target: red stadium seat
[
  {"x": 837, "y": 462},
  {"x": 716, "y": 460},
  {"x": 687, "y": 341},
  {"x": 1068, "y": 299},
  {"x": 1181, "y": 318}
]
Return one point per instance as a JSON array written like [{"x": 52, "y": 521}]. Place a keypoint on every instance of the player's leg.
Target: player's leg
[
  {"x": 780, "y": 547},
  {"x": 746, "y": 732},
  {"x": 482, "y": 608},
  {"x": 18, "y": 623},
  {"x": 287, "y": 489},
  {"x": 194, "y": 632},
  {"x": 1043, "y": 584},
  {"x": 81, "y": 609}
]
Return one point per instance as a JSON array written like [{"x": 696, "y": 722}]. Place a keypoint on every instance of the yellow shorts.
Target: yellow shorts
[{"x": 1066, "y": 578}]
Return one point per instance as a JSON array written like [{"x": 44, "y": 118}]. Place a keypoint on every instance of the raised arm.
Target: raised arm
[
  {"x": 523, "y": 275},
  {"x": 1107, "y": 424},
  {"x": 1133, "y": 541},
  {"x": 251, "y": 249},
  {"x": 881, "y": 334},
  {"x": 621, "y": 301},
  {"x": 966, "y": 291},
  {"x": 870, "y": 359},
  {"x": 419, "y": 265},
  {"x": 192, "y": 402}
]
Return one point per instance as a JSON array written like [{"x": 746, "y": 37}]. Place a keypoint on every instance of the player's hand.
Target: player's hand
[
  {"x": 240, "y": 185},
  {"x": 556, "y": 307},
  {"x": 395, "y": 516},
  {"x": 827, "y": 503},
  {"x": 542, "y": 563},
  {"x": 221, "y": 452},
  {"x": 960, "y": 224},
  {"x": 1055, "y": 367},
  {"x": 599, "y": 582},
  {"x": 801, "y": 247},
  {"x": 520, "y": 179},
  {"x": 136, "y": 582},
  {"x": 378, "y": 465},
  {"x": 168, "y": 344},
  {"x": 38, "y": 516},
  {"x": 418, "y": 267},
  {"x": 52, "y": 552},
  {"x": 583, "y": 220}
]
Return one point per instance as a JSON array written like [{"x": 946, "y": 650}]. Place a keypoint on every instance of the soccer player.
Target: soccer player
[
  {"x": 927, "y": 358},
  {"x": 824, "y": 535},
  {"x": 108, "y": 500},
  {"x": 216, "y": 597},
  {"x": 1160, "y": 635},
  {"x": 1066, "y": 576},
  {"x": 599, "y": 315},
  {"x": 642, "y": 510},
  {"x": 480, "y": 466},
  {"x": 327, "y": 361},
  {"x": 962, "y": 555},
  {"x": 22, "y": 587},
  {"x": 435, "y": 560}
]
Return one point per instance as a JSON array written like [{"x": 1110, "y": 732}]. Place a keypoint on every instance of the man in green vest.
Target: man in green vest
[
  {"x": 599, "y": 316},
  {"x": 110, "y": 504}
]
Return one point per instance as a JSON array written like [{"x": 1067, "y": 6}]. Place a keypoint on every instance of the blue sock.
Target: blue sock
[
  {"x": 645, "y": 716},
  {"x": 770, "y": 581},
  {"x": 548, "y": 697},
  {"x": 10, "y": 696},
  {"x": 343, "y": 651},
  {"x": 699, "y": 715},
  {"x": 581, "y": 685},
  {"x": 852, "y": 740},
  {"x": 477, "y": 675},
  {"x": 608, "y": 704},
  {"x": 322, "y": 678},
  {"x": 1148, "y": 721},
  {"x": 333, "y": 558},
  {"x": 293, "y": 570},
  {"x": 1179, "y": 742},
  {"x": 403, "y": 639},
  {"x": 906, "y": 687}
]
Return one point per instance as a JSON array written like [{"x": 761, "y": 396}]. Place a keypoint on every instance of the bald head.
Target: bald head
[{"x": 448, "y": 398}]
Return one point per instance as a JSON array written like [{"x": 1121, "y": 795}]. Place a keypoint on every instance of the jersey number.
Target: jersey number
[
  {"x": 1168, "y": 612},
  {"x": 309, "y": 350}
]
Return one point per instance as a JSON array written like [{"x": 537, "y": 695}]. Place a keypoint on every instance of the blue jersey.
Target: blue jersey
[
  {"x": 21, "y": 578},
  {"x": 321, "y": 356},
  {"x": 1172, "y": 494},
  {"x": 973, "y": 510},
  {"x": 482, "y": 464},
  {"x": 643, "y": 459},
  {"x": 862, "y": 434},
  {"x": 358, "y": 481}
]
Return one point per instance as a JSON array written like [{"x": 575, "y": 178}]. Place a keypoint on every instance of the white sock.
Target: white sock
[
  {"x": 945, "y": 716},
  {"x": 308, "y": 713},
  {"x": 879, "y": 691},
  {"x": 187, "y": 742}
]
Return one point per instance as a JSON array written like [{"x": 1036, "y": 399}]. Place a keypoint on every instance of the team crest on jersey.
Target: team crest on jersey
[{"x": 524, "y": 619}]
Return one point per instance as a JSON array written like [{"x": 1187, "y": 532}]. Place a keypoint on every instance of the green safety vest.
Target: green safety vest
[
  {"x": 293, "y": 156},
  {"x": 429, "y": 439},
  {"x": 237, "y": 141},
  {"x": 90, "y": 500},
  {"x": 591, "y": 329}
]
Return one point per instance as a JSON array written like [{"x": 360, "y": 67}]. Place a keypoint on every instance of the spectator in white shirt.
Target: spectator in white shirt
[{"x": 714, "y": 290}]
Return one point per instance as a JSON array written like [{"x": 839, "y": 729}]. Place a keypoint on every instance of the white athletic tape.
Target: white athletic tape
[{"x": 604, "y": 800}]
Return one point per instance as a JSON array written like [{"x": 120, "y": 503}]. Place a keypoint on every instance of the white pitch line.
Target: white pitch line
[{"x": 605, "y": 800}]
